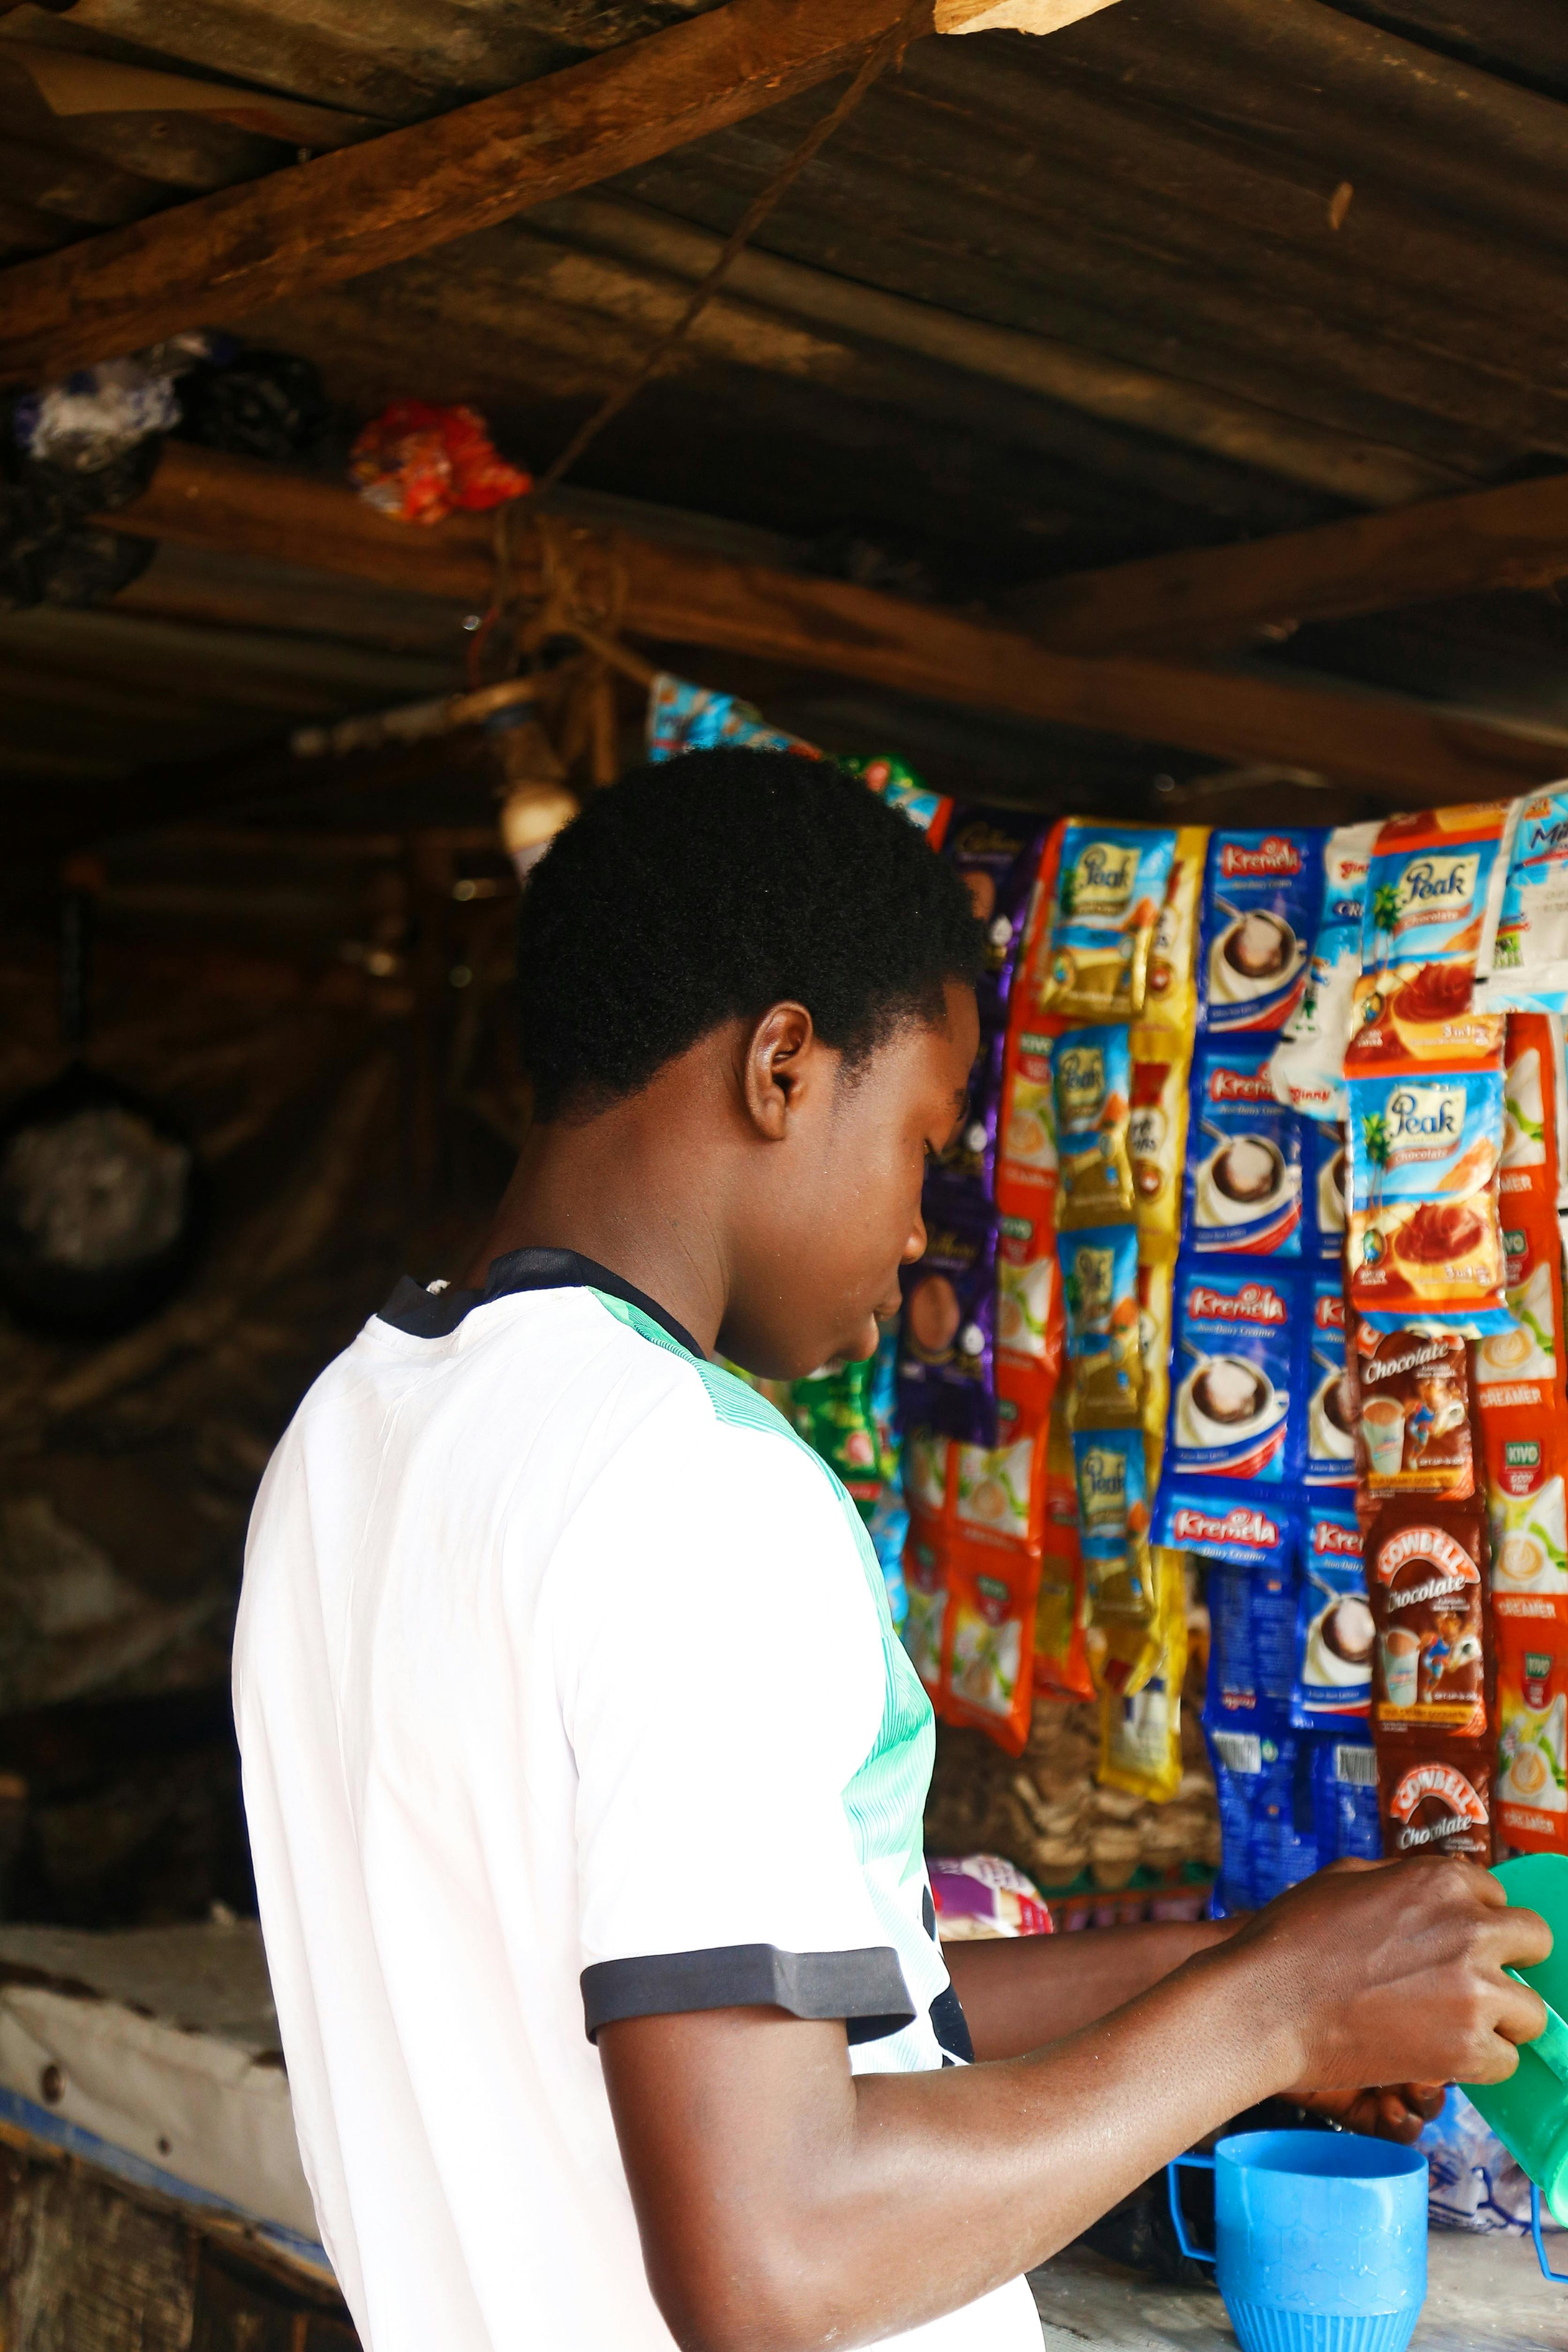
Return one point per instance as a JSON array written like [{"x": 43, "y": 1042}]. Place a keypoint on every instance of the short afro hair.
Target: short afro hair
[{"x": 715, "y": 885}]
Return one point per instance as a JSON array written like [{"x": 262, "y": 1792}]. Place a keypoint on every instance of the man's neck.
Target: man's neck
[{"x": 618, "y": 1189}]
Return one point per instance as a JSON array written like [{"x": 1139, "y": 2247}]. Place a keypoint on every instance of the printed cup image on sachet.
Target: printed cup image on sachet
[
  {"x": 1530, "y": 1553},
  {"x": 1528, "y": 1350},
  {"x": 1338, "y": 1644},
  {"x": 1262, "y": 902},
  {"x": 1531, "y": 1765},
  {"x": 1237, "y": 1355},
  {"x": 1256, "y": 950},
  {"x": 1333, "y": 1439},
  {"x": 1527, "y": 1506},
  {"x": 1335, "y": 1631},
  {"x": 1244, "y": 1178},
  {"x": 1223, "y": 1394}
]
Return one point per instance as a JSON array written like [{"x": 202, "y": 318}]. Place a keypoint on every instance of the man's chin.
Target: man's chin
[{"x": 863, "y": 1343}]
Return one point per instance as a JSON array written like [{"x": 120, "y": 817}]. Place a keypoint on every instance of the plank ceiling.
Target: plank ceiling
[{"x": 1190, "y": 271}]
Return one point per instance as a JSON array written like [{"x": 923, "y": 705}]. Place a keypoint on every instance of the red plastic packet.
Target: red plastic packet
[
  {"x": 988, "y": 1674},
  {"x": 1435, "y": 1798},
  {"x": 1034, "y": 955},
  {"x": 1527, "y": 1503},
  {"x": 996, "y": 1519},
  {"x": 1426, "y": 1581},
  {"x": 1529, "y": 1165},
  {"x": 418, "y": 463},
  {"x": 1026, "y": 1171},
  {"x": 1413, "y": 1411}
]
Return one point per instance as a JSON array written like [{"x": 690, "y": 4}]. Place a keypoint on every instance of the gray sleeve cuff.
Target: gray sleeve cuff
[{"x": 868, "y": 1985}]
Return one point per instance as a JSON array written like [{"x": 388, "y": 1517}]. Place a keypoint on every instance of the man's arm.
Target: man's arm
[
  {"x": 786, "y": 2204},
  {"x": 1020, "y": 1992}
]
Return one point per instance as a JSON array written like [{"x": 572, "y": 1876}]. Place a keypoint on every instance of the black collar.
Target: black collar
[{"x": 434, "y": 1314}]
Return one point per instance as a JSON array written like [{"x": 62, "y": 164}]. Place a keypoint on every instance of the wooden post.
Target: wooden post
[
  {"x": 1207, "y": 599},
  {"x": 342, "y": 214},
  {"x": 1415, "y": 753}
]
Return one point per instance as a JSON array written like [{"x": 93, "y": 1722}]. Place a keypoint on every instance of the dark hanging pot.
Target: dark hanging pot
[{"x": 103, "y": 1201}]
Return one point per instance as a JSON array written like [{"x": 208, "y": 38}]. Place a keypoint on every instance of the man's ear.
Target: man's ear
[{"x": 776, "y": 1060}]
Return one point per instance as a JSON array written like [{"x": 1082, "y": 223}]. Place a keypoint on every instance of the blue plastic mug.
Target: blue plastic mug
[{"x": 1320, "y": 2239}]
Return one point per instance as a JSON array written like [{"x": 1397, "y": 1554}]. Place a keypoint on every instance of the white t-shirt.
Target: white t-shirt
[{"x": 566, "y": 1691}]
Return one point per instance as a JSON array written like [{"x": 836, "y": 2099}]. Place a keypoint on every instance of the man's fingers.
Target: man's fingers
[
  {"x": 1396, "y": 2120},
  {"x": 1494, "y": 2062},
  {"x": 1523, "y": 2014},
  {"x": 1523, "y": 1938}
]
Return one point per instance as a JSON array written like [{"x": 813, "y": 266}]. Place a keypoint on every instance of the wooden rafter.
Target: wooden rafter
[
  {"x": 678, "y": 595},
  {"x": 342, "y": 214},
  {"x": 1210, "y": 599}
]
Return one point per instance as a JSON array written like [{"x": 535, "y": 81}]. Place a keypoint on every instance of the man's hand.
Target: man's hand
[
  {"x": 1394, "y": 1971},
  {"x": 1398, "y": 2112}
]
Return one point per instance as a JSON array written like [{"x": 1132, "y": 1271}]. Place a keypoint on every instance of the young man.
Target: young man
[{"x": 584, "y": 1773}]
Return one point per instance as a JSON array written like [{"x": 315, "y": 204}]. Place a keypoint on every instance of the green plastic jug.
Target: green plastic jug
[{"x": 1528, "y": 2113}]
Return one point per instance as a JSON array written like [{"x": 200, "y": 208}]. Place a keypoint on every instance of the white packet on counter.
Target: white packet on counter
[{"x": 1307, "y": 1067}]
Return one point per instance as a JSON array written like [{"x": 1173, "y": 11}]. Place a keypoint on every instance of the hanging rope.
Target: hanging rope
[
  {"x": 892, "y": 44},
  {"x": 563, "y": 611}
]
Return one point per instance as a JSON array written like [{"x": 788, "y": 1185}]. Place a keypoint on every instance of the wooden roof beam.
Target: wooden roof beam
[
  {"x": 1211, "y": 599},
  {"x": 310, "y": 226},
  {"x": 680, "y": 596}
]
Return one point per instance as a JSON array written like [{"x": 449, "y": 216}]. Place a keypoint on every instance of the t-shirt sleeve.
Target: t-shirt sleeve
[{"x": 721, "y": 1672}]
